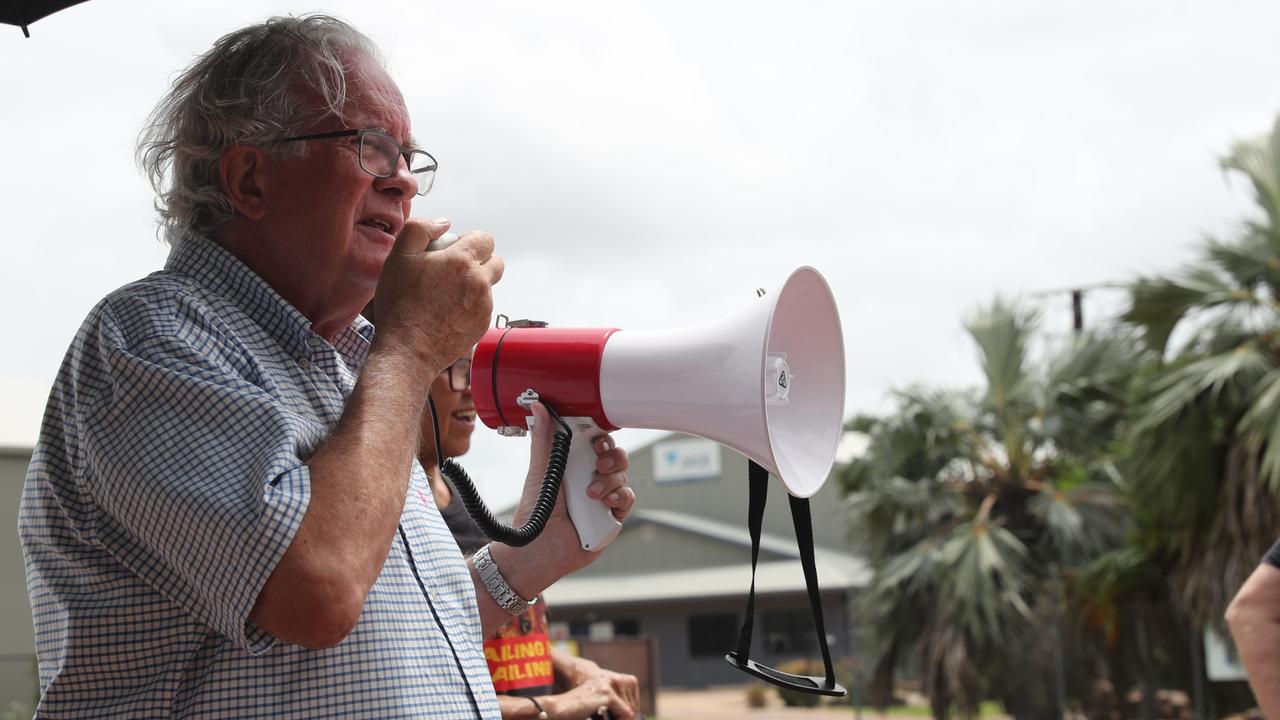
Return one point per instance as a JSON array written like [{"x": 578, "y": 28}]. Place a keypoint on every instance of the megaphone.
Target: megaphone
[{"x": 767, "y": 382}]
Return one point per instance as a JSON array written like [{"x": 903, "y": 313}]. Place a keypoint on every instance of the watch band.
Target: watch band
[
  {"x": 542, "y": 714},
  {"x": 498, "y": 587}
]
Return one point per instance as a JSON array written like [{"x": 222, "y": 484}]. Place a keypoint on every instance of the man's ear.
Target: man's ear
[{"x": 241, "y": 171}]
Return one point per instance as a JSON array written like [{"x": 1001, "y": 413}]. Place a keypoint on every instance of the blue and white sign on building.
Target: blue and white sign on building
[{"x": 686, "y": 460}]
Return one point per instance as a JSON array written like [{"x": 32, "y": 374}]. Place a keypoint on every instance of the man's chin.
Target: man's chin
[{"x": 367, "y": 268}]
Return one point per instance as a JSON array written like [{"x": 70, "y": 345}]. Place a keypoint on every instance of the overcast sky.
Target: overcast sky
[{"x": 648, "y": 164}]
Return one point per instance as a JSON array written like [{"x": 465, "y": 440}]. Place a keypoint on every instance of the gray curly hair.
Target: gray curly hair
[{"x": 254, "y": 86}]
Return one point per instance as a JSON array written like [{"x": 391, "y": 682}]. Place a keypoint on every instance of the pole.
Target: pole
[
  {"x": 1197, "y": 673},
  {"x": 1059, "y": 664},
  {"x": 1077, "y": 310},
  {"x": 855, "y": 681}
]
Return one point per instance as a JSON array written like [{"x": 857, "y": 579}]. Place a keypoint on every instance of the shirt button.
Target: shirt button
[{"x": 305, "y": 363}]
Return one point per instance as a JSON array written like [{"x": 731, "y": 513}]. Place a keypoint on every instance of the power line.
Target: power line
[{"x": 1077, "y": 299}]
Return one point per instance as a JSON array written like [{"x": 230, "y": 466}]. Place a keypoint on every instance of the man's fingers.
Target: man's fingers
[
  {"x": 606, "y": 483},
  {"x": 478, "y": 244},
  {"x": 478, "y": 247},
  {"x": 620, "y": 502},
  {"x": 496, "y": 268},
  {"x": 629, "y": 687},
  {"x": 418, "y": 233},
  {"x": 615, "y": 460},
  {"x": 619, "y": 709}
]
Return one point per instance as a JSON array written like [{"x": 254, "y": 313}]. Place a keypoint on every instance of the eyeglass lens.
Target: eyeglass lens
[
  {"x": 460, "y": 375},
  {"x": 380, "y": 155}
]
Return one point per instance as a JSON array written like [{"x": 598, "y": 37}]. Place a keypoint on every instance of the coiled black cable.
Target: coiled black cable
[{"x": 547, "y": 494}]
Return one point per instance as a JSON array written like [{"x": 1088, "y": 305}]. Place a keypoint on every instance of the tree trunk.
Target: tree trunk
[
  {"x": 880, "y": 687},
  {"x": 1147, "y": 709}
]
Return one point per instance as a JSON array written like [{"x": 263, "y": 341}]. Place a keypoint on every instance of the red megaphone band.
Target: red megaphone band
[{"x": 561, "y": 364}]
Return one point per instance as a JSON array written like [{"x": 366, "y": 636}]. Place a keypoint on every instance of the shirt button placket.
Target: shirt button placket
[{"x": 309, "y": 355}]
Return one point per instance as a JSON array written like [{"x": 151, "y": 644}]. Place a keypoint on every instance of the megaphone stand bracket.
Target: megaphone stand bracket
[{"x": 758, "y": 478}]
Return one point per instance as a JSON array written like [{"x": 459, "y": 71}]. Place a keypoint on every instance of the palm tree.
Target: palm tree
[
  {"x": 972, "y": 504},
  {"x": 1206, "y": 435}
]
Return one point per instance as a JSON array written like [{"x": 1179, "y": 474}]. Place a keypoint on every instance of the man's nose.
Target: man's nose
[{"x": 402, "y": 181}]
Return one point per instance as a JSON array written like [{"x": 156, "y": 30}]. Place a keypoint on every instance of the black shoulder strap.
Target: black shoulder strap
[{"x": 758, "y": 479}]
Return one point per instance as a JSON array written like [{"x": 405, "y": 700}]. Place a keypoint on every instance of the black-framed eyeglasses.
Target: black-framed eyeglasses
[
  {"x": 460, "y": 375},
  {"x": 380, "y": 154}
]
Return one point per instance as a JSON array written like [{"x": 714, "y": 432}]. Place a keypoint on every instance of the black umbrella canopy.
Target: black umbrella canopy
[{"x": 24, "y": 12}]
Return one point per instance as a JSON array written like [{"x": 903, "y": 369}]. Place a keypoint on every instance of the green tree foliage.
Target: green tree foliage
[
  {"x": 1206, "y": 432},
  {"x": 971, "y": 505}
]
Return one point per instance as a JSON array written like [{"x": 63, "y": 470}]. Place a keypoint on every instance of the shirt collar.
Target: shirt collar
[{"x": 215, "y": 268}]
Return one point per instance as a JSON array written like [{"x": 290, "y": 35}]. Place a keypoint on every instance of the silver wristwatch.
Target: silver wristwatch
[{"x": 498, "y": 587}]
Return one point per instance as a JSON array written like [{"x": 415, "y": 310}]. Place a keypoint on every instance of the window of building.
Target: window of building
[
  {"x": 789, "y": 632},
  {"x": 598, "y": 629},
  {"x": 712, "y": 635}
]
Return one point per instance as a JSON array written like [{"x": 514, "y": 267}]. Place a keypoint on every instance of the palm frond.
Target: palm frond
[
  {"x": 900, "y": 592},
  {"x": 988, "y": 574},
  {"x": 920, "y": 439},
  {"x": 1259, "y": 161},
  {"x": 1002, "y": 332},
  {"x": 1228, "y": 333},
  {"x": 1220, "y": 384},
  {"x": 1261, "y": 427},
  {"x": 1171, "y": 470},
  {"x": 1115, "y": 573},
  {"x": 897, "y": 512},
  {"x": 1087, "y": 391},
  {"x": 1157, "y": 305},
  {"x": 1080, "y": 523},
  {"x": 1251, "y": 261}
]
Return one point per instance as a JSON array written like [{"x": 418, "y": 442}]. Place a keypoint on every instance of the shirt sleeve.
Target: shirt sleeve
[
  {"x": 196, "y": 471},
  {"x": 1273, "y": 555}
]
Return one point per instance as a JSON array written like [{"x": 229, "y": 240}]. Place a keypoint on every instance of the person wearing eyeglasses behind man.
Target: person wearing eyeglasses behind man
[
  {"x": 524, "y": 666},
  {"x": 214, "y": 521}
]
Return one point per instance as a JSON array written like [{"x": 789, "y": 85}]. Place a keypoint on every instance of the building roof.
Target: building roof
[
  {"x": 836, "y": 570},
  {"x": 716, "y": 530}
]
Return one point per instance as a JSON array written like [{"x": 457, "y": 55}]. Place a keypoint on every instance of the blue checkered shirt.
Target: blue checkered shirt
[{"x": 169, "y": 478}]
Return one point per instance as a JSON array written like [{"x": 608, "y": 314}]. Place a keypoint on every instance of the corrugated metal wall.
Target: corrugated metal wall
[{"x": 17, "y": 642}]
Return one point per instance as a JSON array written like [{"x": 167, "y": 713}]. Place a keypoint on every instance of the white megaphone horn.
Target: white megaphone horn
[{"x": 767, "y": 382}]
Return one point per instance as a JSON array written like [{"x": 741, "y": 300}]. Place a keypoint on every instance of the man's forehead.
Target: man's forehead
[{"x": 375, "y": 102}]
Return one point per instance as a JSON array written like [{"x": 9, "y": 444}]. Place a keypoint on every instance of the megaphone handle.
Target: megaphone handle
[{"x": 592, "y": 519}]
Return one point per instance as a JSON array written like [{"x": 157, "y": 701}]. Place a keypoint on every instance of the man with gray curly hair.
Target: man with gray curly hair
[{"x": 223, "y": 516}]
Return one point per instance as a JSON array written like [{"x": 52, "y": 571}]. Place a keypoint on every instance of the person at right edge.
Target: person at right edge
[
  {"x": 526, "y": 670},
  {"x": 1254, "y": 619}
]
